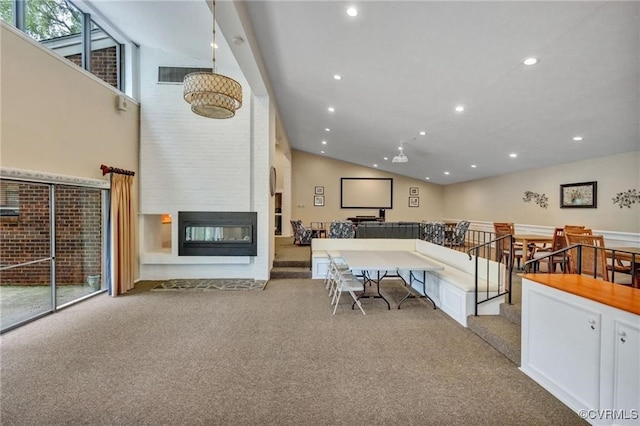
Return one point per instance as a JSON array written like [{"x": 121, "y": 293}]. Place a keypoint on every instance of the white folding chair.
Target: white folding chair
[
  {"x": 346, "y": 283},
  {"x": 331, "y": 278}
]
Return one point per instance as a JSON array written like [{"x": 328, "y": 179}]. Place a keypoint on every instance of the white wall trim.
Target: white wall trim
[
  {"x": 612, "y": 238},
  {"x": 47, "y": 177}
]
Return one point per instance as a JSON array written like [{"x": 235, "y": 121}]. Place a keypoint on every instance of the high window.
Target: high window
[{"x": 65, "y": 29}]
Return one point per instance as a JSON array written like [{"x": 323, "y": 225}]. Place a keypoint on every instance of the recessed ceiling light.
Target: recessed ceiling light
[
  {"x": 324, "y": 142},
  {"x": 473, "y": 166},
  {"x": 327, "y": 129},
  {"x": 423, "y": 133},
  {"x": 577, "y": 138},
  {"x": 385, "y": 158},
  {"x": 321, "y": 152},
  {"x": 530, "y": 61},
  {"x": 215, "y": 46},
  {"x": 513, "y": 155},
  {"x": 375, "y": 165},
  {"x": 352, "y": 11},
  {"x": 337, "y": 77},
  {"x": 427, "y": 178},
  {"x": 331, "y": 109},
  {"x": 459, "y": 108},
  {"x": 446, "y": 173}
]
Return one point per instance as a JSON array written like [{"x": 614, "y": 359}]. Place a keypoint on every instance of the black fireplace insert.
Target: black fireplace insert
[{"x": 217, "y": 233}]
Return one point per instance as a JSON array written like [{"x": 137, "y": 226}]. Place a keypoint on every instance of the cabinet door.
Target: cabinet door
[
  {"x": 564, "y": 342},
  {"x": 626, "y": 382}
]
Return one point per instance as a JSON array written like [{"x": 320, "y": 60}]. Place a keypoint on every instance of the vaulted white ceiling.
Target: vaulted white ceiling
[{"x": 405, "y": 66}]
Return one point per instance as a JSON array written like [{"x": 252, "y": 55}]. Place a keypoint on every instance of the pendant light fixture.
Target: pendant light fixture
[
  {"x": 400, "y": 158},
  {"x": 212, "y": 95}
]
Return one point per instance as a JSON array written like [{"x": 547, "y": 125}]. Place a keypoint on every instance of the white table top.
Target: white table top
[{"x": 380, "y": 260}]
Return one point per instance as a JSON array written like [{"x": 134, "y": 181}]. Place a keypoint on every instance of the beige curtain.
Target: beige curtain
[{"x": 122, "y": 234}]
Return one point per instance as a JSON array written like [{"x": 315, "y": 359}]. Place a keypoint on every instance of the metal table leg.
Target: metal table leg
[
  {"x": 424, "y": 288},
  {"x": 378, "y": 295}
]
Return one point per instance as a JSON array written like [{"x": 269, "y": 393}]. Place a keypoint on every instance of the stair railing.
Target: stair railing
[
  {"x": 472, "y": 238},
  {"x": 495, "y": 249},
  {"x": 617, "y": 257}
]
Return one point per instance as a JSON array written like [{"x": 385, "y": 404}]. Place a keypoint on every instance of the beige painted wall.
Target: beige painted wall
[
  {"x": 501, "y": 198},
  {"x": 309, "y": 171},
  {"x": 57, "y": 118}
]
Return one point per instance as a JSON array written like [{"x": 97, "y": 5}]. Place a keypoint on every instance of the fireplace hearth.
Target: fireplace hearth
[{"x": 217, "y": 233}]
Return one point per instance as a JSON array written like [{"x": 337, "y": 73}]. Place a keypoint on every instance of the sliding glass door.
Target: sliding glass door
[
  {"x": 78, "y": 242},
  {"x": 26, "y": 255},
  {"x": 52, "y": 248}
]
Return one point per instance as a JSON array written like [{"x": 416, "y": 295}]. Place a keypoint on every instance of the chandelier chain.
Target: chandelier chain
[{"x": 213, "y": 44}]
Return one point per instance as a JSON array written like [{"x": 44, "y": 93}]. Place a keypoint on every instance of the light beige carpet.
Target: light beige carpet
[{"x": 272, "y": 357}]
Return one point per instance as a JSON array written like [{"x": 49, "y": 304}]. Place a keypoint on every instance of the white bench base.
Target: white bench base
[{"x": 453, "y": 290}]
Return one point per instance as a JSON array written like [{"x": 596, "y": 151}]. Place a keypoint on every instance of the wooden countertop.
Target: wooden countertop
[{"x": 615, "y": 295}]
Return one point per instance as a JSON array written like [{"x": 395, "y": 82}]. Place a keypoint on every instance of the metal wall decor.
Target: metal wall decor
[
  {"x": 541, "y": 200},
  {"x": 625, "y": 199}
]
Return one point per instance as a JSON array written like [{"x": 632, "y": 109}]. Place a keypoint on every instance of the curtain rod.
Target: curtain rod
[{"x": 107, "y": 169}]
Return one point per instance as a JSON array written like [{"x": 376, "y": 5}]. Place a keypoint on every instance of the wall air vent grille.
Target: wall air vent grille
[{"x": 176, "y": 74}]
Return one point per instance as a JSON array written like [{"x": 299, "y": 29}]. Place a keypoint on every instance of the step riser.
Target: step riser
[
  {"x": 511, "y": 312},
  {"x": 291, "y": 272},
  {"x": 282, "y": 275},
  {"x": 291, "y": 264},
  {"x": 509, "y": 346}
]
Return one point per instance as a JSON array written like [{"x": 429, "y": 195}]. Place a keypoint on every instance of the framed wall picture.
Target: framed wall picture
[
  {"x": 318, "y": 201},
  {"x": 579, "y": 195},
  {"x": 319, "y": 190},
  {"x": 414, "y": 191},
  {"x": 414, "y": 201}
]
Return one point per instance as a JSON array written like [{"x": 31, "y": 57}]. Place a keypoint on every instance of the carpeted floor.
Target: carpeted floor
[
  {"x": 287, "y": 251},
  {"x": 272, "y": 357}
]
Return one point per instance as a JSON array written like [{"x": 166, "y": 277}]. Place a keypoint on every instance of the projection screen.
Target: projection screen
[{"x": 366, "y": 193}]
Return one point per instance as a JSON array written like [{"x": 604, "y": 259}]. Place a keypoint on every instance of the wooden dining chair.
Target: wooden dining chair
[
  {"x": 559, "y": 242},
  {"x": 502, "y": 247},
  {"x": 593, "y": 260},
  {"x": 575, "y": 230}
]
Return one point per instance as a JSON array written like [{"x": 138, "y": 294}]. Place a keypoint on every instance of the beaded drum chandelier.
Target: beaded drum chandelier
[{"x": 210, "y": 94}]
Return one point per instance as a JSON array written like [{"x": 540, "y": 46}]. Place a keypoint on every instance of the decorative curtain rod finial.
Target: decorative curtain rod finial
[{"x": 107, "y": 169}]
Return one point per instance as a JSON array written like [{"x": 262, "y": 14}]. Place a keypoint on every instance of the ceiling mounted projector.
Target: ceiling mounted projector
[{"x": 400, "y": 158}]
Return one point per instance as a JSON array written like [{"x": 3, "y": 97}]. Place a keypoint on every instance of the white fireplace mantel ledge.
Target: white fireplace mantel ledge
[{"x": 167, "y": 258}]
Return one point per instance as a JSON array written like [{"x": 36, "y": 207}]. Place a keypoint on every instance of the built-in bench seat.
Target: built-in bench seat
[{"x": 453, "y": 290}]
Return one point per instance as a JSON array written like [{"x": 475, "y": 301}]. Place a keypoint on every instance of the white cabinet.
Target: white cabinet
[
  {"x": 563, "y": 346},
  {"x": 626, "y": 364},
  {"x": 585, "y": 353}
]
